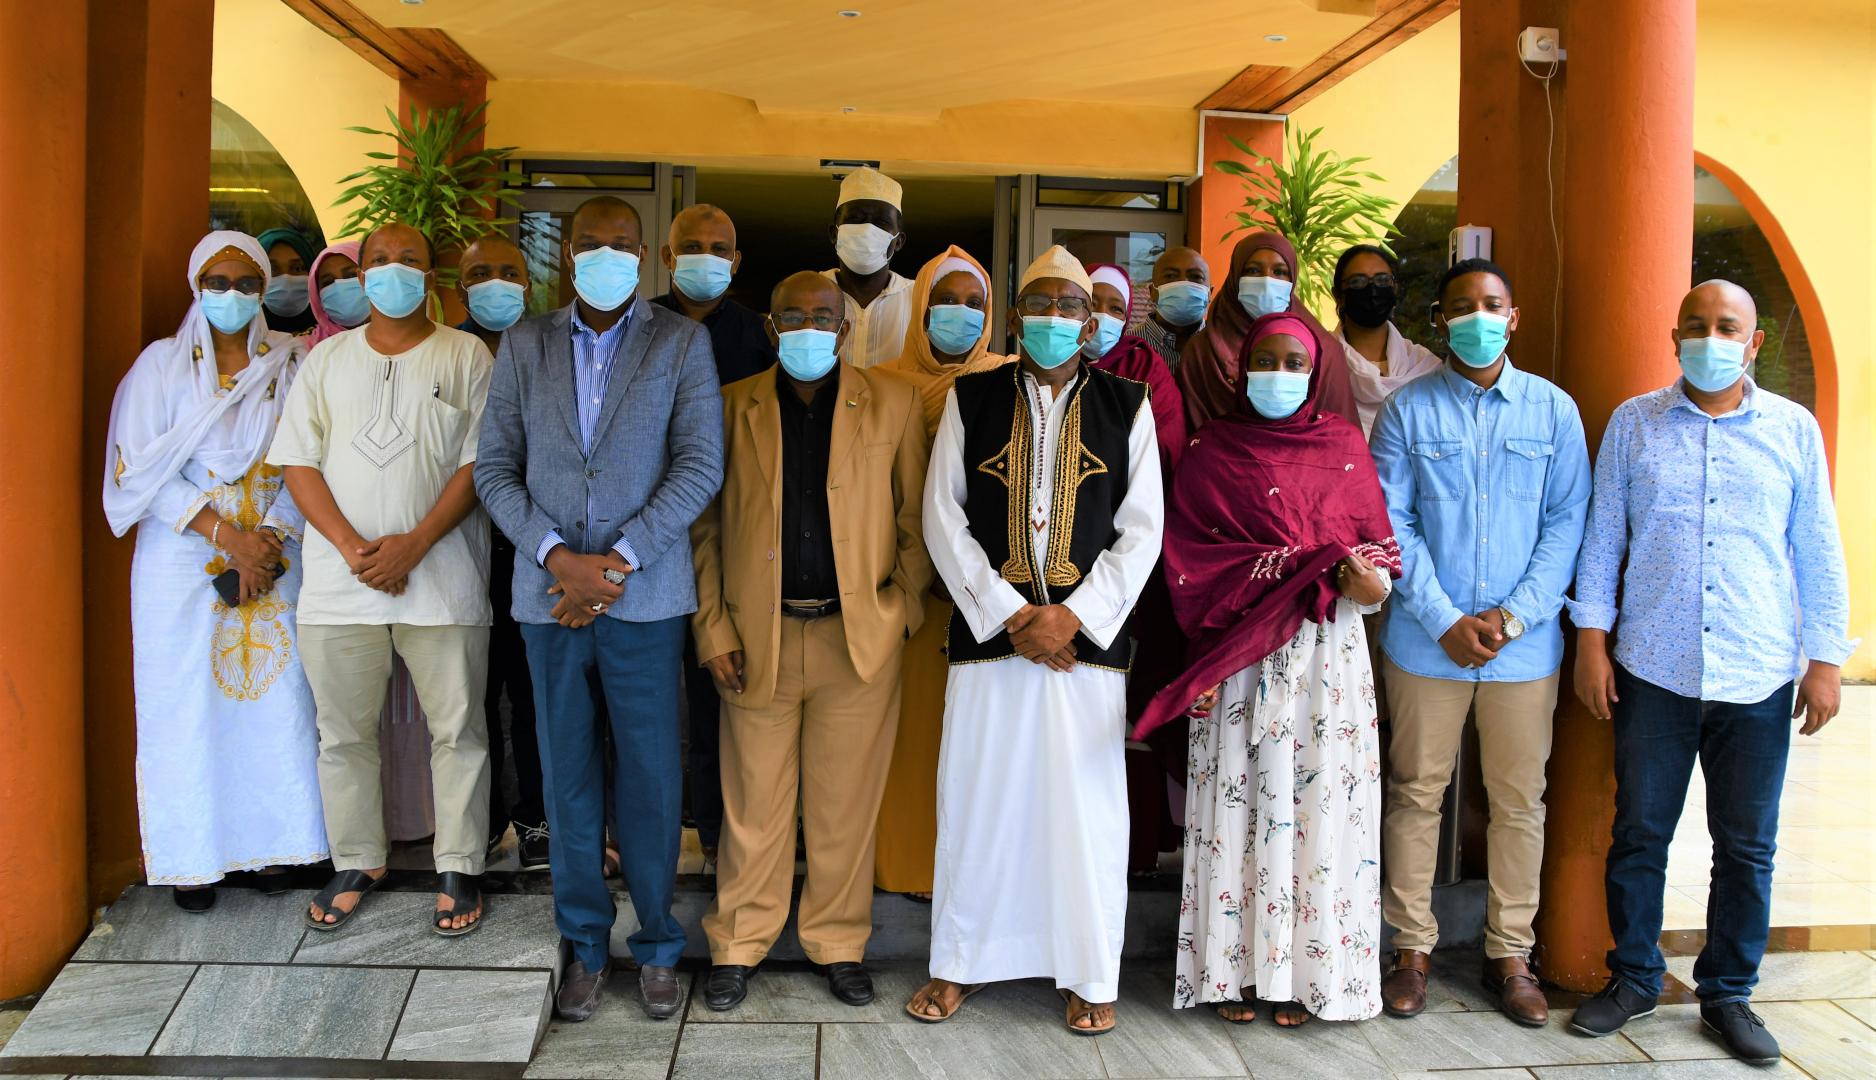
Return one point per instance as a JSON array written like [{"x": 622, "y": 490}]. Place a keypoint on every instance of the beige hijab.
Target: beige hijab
[{"x": 918, "y": 364}]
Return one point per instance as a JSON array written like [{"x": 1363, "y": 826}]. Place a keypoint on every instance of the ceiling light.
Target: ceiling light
[
  {"x": 413, "y": 3},
  {"x": 848, "y": 109},
  {"x": 1274, "y": 39},
  {"x": 849, "y": 13}
]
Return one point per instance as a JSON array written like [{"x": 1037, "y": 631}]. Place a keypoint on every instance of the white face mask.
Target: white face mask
[{"x": 863, "y": 249}]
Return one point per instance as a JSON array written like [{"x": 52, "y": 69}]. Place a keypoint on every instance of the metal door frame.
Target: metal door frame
[{"x": 674, "y": 187}]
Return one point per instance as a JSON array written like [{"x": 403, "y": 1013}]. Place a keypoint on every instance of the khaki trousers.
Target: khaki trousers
[
  {"x": 826, "y": 737},
  {"x": 349, "y": 668},
  {"x": 1514, "y": 721}
]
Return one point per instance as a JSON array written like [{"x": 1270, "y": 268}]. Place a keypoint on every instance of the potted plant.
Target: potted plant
[{"x": 1315, "y": 199}]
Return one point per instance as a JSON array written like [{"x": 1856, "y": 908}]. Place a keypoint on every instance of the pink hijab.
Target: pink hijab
[{"x": 324, "y": 327}]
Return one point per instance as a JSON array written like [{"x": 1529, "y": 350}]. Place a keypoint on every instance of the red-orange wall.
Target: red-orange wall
[{"x": 1216, "y": 196}]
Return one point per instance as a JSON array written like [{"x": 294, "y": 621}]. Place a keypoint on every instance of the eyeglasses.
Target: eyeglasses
[
  {"x": 1362, "y": 281},
  {"x": 796, "y": 320},
  {"x": 217, "y": 283},
  {"x": 1074, "y": 307}
]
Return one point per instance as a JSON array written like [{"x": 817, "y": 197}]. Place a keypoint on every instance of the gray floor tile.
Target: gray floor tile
[
  {"x": 1821, "y": 1039},
  {"x": 473, "y": 1016},
  {"x": 244, "y": 927},
  {"x": 1673, "y": 1033},
  {"x": 802, "y": 997},
  {"x": 1863, "y": 1009},
  {"x": 1006, "y": 1051},
  {"x": 1487, "y": 1040},
  {"x": 1726, "y": 1069},
  {"x": 748, "y": 1052},
  {"x": 287, "y": 1012},
  {"x": 95, "y": 1009},
  {"x": 1802, "y": 976},
  {"x": 1317, "y": 1049},
  {"x": 1453, "y": 985},
  {"x": 1152, "y": 1039},
  {"x": 1468, "y": 1074},
  {"x": 619, "y": 1043},
  {"x": 390, "y": 930}
]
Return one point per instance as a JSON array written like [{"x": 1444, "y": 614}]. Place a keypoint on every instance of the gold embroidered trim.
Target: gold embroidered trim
[
  {"x": 1011, "y": 466},
  {"x": 117, "y": 474},
  {"x": 1076, "y": 462}
]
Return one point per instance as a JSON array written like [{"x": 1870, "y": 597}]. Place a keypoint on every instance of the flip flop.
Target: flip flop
[
  {"x": 924, "y": 1019},
  {"x": 465, "y": 897},
  {"x": 1078, "y": 1008},
  {"x": 343, "y": 882}
]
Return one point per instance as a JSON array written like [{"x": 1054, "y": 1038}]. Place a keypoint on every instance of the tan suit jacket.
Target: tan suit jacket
[{"x": 875, "y": 490}]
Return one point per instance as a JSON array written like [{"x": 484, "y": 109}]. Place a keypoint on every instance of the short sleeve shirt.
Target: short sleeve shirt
[{"x": 388, "y": 432}]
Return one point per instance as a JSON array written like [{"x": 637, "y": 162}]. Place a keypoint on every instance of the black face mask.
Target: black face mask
[{"x": 1369, "y": 306}]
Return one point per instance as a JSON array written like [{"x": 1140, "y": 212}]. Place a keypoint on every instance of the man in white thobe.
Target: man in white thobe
[
  {"x": 1042, "y": 514},
  {"x": 868, "y": 230}
]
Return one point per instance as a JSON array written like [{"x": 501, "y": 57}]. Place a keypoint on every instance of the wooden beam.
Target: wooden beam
[
  {"x": 400, "y": 52},
  {"x": 1255, "y": 89}
]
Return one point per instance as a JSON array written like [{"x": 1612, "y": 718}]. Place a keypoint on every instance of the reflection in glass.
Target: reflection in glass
[
  {"x": 540, "y": 245},
  {"x": 1133, "y": 250},
  {"x": 250, "y": 187}
]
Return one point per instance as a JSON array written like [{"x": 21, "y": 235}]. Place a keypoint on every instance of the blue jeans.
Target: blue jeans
[
  {"x": 1742, "y": 751},
  {"x": 635, "y": 667}
]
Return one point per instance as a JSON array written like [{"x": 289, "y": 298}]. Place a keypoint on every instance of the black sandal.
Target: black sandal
[
  {"x": 465, "y": 898},
  {"x": 342, "y": 882}
]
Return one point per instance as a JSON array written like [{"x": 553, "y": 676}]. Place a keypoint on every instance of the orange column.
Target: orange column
[
  {"x": 42, "y": 358},
  {"x": 1627, "y": 221},
  {"x": 1215, "y": 197},
  {"x": 437, "y": 94}
]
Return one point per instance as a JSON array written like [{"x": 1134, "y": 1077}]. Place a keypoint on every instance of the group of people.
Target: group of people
[{"x": 955, "y": 613}]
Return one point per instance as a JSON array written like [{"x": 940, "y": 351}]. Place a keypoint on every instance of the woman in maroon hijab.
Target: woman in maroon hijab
[
  {"x": 1277, "y": 539},
  {"x": 1261, "y": 281}
]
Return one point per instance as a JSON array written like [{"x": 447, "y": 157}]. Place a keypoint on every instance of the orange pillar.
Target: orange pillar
[
  {"x": 42, "y": 360},
  {"x": 1215, "y": 197},
  {"x": 436, "y": 94},
  {"x": 1627, "y": 221}
]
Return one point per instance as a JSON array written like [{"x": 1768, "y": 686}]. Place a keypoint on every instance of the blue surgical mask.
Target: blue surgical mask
[
  {"x": 344, "y": 302},
  {"x": 1276, "y": 394},
  {"x": 1261, "y": 296},
  {"x": 286, "y": 295},
  {"x": 605, "y": 277},
  {"x": 1712, "y": 363},
  {"x": 1106, "y": 332},
  {"x": 1478, "y": 339},
  {"x": 702, "y": 278},
  {"x": 1051, "y": 339},
  {"x": 396, "y": 289},
  {"x": 1182, "y": 303},
  {"x": 496, "y": 304},
  {"x": 955, "y": 328},
  {"x": 228, "y": 310},
  {"x": 807, "y": 354}
]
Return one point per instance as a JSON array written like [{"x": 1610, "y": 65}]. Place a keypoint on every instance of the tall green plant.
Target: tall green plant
[
  {"x": 431, "y": 182},
  {"x": 1315, "y": 199}
]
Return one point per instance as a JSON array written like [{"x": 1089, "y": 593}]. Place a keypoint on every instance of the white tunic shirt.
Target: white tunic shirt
[
  {"x": 876, "y": 332},
  {"x": 388, "y": 432}
]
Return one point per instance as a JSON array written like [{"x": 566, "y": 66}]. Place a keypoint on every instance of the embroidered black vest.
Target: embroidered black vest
[{"x": 1090, "y": 482}]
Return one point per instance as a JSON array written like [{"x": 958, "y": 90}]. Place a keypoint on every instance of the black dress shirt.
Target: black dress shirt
[
  {"x": 807, "y": 541},
  {"x": 738, "y": 336}
]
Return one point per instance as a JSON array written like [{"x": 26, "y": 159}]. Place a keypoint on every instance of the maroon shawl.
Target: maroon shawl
[
  {"x": 1257, "y": 517},
  {"x": 1209, "y": 365}
]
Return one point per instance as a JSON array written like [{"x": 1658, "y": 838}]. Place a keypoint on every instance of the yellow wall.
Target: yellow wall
[
  {"x": 1760, "y": 79},
  {"x": 300, "y": 89}
]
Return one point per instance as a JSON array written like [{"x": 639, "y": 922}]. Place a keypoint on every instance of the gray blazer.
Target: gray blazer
[{"x": 656, "y": 461}]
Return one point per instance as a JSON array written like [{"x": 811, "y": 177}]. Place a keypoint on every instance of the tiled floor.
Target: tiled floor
[{"x": 1825, "y": 873}]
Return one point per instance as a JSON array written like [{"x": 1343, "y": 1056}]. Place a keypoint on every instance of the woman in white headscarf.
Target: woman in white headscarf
[
  {"x": 1380, "y": 360},
  {"x": 226, "y": 746}
]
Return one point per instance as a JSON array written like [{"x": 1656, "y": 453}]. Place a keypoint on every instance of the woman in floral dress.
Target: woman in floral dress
[{"x": 1277, "y": 540}]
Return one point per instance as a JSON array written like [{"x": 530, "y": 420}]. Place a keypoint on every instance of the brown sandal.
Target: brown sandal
[
  {"x": 933, "y": 998},
  {"x": 1078, "y": 1009}
]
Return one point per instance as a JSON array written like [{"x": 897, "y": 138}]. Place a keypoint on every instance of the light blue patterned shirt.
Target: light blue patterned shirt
[
  {"x": 1488, "y": 489},
  {"x": 594, "y": 357},
  {"x": 1735, "y": 568}
]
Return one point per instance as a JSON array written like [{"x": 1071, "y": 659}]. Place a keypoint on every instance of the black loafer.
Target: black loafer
[
  {"x": 850, "y": 983},
  {"x": 578, "y": 996},
  {"x": 195, "y": 901},
  {"x": 726, "y": 986},
  {"x": 1613, "y": 1006},
  {"x": 1742, "y": 1031}
]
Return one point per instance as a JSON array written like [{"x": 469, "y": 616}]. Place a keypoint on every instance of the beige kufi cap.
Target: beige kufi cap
[
  {"x": 1058, "y": 263},
  {"x": 865, "y": 183}
]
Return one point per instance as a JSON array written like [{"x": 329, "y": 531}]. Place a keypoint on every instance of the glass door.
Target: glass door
[
  {"x": 553, "y": 190},
  {"x": 1125, "y": 222}
]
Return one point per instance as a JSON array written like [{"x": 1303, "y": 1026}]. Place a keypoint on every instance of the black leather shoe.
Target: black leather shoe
[
  {"x": 578, "y": 996},
  {"x": 726, "y": 986},
  {"x": 195, "y": 901},
  {"x": 531, "y": 845},
  {"x": 1742, "y": 1031},
  {"x": 850, "y": 983},
  {"x": 1614, "y": 1005}
]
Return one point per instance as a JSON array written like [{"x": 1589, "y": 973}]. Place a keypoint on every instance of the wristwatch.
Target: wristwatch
[
  {"x": 1514, "y": 626},
  {"x": 613, "y": 574}
]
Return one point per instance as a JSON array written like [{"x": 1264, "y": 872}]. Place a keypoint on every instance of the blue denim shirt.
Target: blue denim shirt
[
  {"x": 1735, "y": 566},
  {"x": 1488, "y": 489},
  {"x": 594, "y": 354}
]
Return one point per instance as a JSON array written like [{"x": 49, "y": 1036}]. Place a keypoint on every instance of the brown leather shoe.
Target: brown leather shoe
[
  {"x": 1519, "y": 996},
  {"x": 663, "y": 996},
  {"x": 1404, "y": 991},
  {"x": 578, "y": 996}
]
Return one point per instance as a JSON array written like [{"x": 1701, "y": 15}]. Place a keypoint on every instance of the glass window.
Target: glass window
[
  {"x": 540, "y": 232},
  {"x": 1108, "y": 194},
  {"x": 250, "y": 187},
  {"x": 1729, "y": 244},
  {"x": 1425, "y": 224},
  {"x": 1134, "y": 250}
]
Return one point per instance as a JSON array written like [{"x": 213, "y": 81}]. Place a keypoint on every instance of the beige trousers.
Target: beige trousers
[
  {"x": 1514, "y": 721},
  {"x": 349, "y": 668},
  {"x": 827, "y": 738}
]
